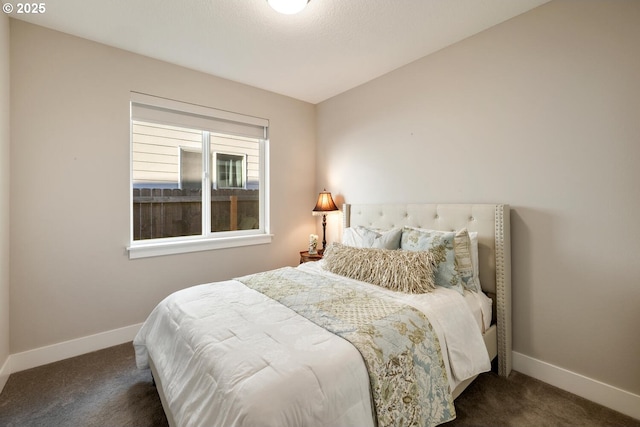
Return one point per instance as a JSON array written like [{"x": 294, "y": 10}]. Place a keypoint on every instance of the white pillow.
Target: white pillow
[{"x": 363, "y": 237}]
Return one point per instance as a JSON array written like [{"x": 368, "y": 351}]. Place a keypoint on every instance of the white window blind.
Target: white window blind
[{"x": 153, "y": 109}]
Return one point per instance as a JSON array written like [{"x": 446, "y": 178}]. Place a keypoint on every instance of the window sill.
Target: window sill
[{"x": 146, "y": 250}]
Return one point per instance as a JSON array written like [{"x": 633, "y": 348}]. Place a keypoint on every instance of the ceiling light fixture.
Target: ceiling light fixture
[{"x": 288, "y": 7}]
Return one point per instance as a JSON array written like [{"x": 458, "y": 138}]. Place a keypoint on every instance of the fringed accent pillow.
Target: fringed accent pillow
[{"x": 405, "y": 271}]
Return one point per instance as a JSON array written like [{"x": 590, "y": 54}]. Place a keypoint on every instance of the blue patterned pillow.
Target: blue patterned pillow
[{"x": 441, "y": 245}]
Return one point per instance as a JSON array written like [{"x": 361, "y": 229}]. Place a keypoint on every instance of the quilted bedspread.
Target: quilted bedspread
[
  {"x": 398, "y": 344},
  {"x": 302, "y": 347}
]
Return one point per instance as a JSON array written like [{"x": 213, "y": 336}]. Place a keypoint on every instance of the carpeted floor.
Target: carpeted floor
[
  {"x": 99, "y": 389},
  {"x": 524, "y": 401},
  {"x": 105, "y": 389}
]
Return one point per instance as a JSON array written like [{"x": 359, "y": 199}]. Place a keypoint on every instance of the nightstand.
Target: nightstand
[{"x": 305, "y": 256}]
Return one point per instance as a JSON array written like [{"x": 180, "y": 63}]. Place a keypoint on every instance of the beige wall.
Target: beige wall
[
  {"x": 70, "y": 274},
  {"x": 541, "y": 112},
  {"x": 4, "y": 191}
]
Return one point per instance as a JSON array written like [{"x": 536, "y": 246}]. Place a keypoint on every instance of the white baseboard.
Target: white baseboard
[
  {"x": 593, "y": 390},
  {"x": 4, "y": 374},
  {"x": 52, "y": 353}
]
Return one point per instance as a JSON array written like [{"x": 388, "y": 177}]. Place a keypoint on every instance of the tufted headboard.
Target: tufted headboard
[{"x": 494, "y": 247}]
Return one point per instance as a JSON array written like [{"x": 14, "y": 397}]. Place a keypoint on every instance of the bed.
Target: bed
[{"x": 280, "y": 348}]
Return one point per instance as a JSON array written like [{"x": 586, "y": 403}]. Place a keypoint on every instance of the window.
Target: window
[
  {"x": 230, "y": 171},
  {"x": 183, "y": 200}
]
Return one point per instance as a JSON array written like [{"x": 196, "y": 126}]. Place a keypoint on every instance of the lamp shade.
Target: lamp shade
[{"x": 325, "y": 203}]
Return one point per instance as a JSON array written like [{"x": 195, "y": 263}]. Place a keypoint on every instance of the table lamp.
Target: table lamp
[{"x": 324, "y": 205}]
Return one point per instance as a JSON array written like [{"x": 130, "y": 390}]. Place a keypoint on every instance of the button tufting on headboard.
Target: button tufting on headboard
[
  {"x": 476, "y": 217},
  {"x": 491, "y": 222}
]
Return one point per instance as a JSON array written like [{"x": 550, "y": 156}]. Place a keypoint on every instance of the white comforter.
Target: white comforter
[{"x": 227, "y": 355}]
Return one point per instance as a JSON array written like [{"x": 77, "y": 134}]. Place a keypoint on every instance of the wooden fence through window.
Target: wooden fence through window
[{"x": 162, "y": 212}]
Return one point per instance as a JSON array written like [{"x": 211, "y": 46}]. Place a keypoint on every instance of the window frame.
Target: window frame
[{"x": 208, "y": 240}]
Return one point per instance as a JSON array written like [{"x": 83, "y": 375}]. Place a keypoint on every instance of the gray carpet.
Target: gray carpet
[
  {"x": 101, "y": 389},
  {"x": 105, "y": 389},
  {"x": 524, "y": 401}
]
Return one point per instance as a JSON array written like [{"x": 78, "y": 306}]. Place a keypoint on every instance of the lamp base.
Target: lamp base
[{"x": 324, "y": 232}]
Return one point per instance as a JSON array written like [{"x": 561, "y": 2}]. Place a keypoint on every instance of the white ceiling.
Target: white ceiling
[{"x": 330, "y": 47}]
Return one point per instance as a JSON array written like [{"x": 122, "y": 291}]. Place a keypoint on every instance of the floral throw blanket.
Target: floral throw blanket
[{"x": 397, "y": 342}]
